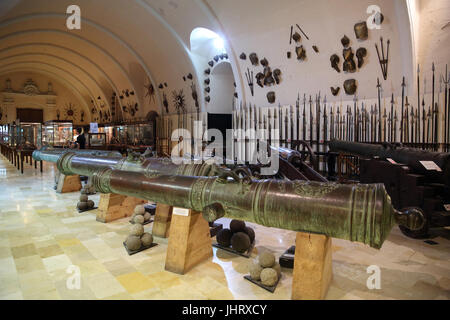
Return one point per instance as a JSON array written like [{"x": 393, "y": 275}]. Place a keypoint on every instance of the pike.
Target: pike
[
  {"x": 349, "y": 121},
  {"x": 392, "y": 115},
  {"x": 331, "y": 123},
  {"x": 418, "y": 101},
  {"x": 412, "y": 124},
  {"x": 310, "y": 121},
  {"x": 403, "y": 103},
  {"x": 446, "y": 115},
  {"x": 363, "y": 119},
  {"x": 395, "y": 127},
  {"x": 417, "y": 125},
  {"x": 297, "y": 110},
  {"x": 423, "y": 122},
  {"x": 338, "y": 116},
  {"x": 407, "y": 120},
  {"x": 318, "y": 122},
  {"x": 428, "y": 124},
  {"x": 280, "y": 123},
  {"x": 286, "y": 127},
  {"x": 384, "y": 125},
  {"x": 389, "y": 124},
  {"x": 371, "y": 124},
  {"x": 432, "y": 106},
  {"x": 304, "y": 117},
  {"x": 436, "y": 126},
  {"x": 325, "y": 122},
  {"x": 379, "y": 109},
  {"x": 355, "y": 122}
]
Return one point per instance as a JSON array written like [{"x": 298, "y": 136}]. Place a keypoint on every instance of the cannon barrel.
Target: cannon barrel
[
  {"x": 407, "y": 156},
  {"x": 86, "y": 162},
  {"x": 53, "y": 154},
  {"x": 361, "y": 213}
]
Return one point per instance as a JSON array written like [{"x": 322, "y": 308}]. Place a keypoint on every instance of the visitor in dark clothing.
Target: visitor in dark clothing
[{"x": 81, "y": 140}]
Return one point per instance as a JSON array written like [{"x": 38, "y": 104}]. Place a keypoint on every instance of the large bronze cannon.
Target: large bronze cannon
[
  {"x": 86, "y": 163},
  {"x": 360, "y": 213},
  {"x": 408, "y": 156}
]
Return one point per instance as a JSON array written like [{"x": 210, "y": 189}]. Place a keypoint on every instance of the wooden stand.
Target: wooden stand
[
  {"x": 189, "y": 242},
  {"x": 312, "y": 266},
  {"x": 115, "y": 206},
  {"x": 163, "y": 217},
  {"x": 68, "y": 183}
]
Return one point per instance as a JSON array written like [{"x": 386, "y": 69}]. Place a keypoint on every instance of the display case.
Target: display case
[
  {"x": 97, "y": 140},
  {"x": 13, "y": 135},
  {"x": 29, "y": 135},
  {"x": 4, "y": 134},
  {"x": 140, "y": 134},
  {"x": 115, "y": 134},
  {"x": 57, "y": 133}
]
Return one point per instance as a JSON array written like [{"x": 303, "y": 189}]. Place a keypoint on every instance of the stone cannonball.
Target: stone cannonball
[
  {"x": 224, "y": 237},
  {"x": 255, "y": 270},
  {"x": 137, "y": 230},
  {"x": 147, "y": 239},
  {"x": 237, "y": 226},
  {"x": 269, "y": 277},
  {"x": 147, "y": 216},
  {"x": 138, "y": 219},
  {"x": 83, "y": 198},
  {"x": 82, "y": 205},
  {"x": 91, "y": 204},
  {"x": 240, "y": 242},
  {"x": 266, "y": 259},
  {"x": 139, "y": 210},
  {"x": 277, "y": 268},
  {"x": 251, "y": 233},
  {"x": 133, "y": 243}
]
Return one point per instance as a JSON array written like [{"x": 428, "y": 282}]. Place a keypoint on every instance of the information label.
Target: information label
[
  {"x": 391, "y": 161},
  {"x": 93, "y": 127},
  {"x": 180, "y": 211},
  {"x": 430, "y": 165}
]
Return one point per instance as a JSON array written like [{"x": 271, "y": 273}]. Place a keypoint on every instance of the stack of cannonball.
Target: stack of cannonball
[
  {"x": 140, "y": 216},
  {"x": 138, "y": 237},
  {"x": 238, "y": 236},
  {"x": 265, "y": 269},
  {"x": 85, "y": 203}
]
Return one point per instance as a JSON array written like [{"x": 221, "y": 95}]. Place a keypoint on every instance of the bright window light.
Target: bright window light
[{"x": 218, "y": 43}]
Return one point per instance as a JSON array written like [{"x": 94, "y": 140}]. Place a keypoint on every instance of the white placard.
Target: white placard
[
  {"x": 430, "y": 165},
  {"x": 93, "y": 127},
  {"x": 391, "y": 161},
  {"x": 180, "y": 211},
  {"x": 288, "y": 255},
  {"x": 447, "y": 207}
]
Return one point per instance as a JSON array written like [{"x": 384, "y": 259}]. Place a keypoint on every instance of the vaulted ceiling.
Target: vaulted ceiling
[{"x": 124, "y": 44}]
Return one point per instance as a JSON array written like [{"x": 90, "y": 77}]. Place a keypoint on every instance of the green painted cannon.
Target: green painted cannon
[{"x": 361, "y": 213}]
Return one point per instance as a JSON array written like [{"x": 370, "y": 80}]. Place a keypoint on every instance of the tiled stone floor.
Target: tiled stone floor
[{"x": 42, "y": 235}]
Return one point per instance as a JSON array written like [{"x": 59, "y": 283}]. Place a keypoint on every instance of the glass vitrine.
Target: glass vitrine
[
  {"x": 29, "y": 135},
  {"x": 13, "y": 135},
  {"x": 57, "y": 133},
  {"x": 4, "y": 133},
  {"x": 140, "y": 134},
  {"x": 97, "y": 140}
]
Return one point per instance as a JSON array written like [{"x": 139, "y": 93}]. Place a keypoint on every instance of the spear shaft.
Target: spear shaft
[
  {"x": 403, "y": 103},
  {"x": 379, "y": 109}
]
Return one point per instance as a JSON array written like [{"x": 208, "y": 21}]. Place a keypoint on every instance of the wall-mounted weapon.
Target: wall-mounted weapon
[
  {"x": 383, "y": 61},
  {"x": 249, "y": 76}
]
